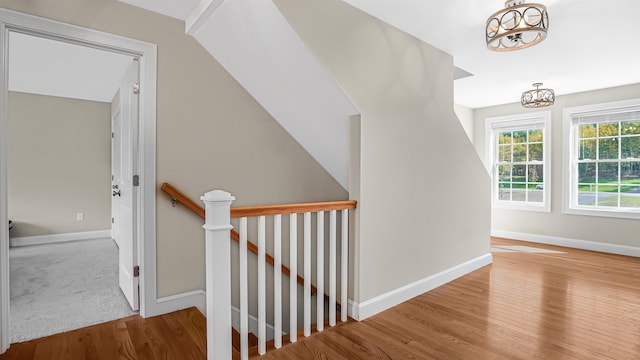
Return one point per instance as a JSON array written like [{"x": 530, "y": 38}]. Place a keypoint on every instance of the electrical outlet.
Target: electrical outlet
[{"x": 80, "y": 216}]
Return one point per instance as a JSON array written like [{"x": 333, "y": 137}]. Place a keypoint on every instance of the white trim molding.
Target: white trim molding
[
  {"x": 392, "y": 298},
  {"x": 146, "y": 53},
  {"x": 518, "y": 122},
  {"x": 611, "y": 112},
  {"x": 201, "y": 13},
  {"x": 57, "y": 238},
  {"x": 196, "y": 298},
  {"x": 570, "y": 243},
  {"x": 253, "y": 324}
]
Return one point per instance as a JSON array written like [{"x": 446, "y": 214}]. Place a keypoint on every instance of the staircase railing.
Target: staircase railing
[
  {"x": 178, "y": 197},
  {"x": 218, "y": 214}
]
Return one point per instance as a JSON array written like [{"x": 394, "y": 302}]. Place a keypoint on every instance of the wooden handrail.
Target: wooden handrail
[
  {"x": 178, "y": 196},
  {"x": 251, "y": 211}
]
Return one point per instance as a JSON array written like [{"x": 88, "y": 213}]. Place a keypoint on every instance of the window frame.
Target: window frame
[
  {"x": 570, "y": 152},
  {"x": 529, "y": 120}
]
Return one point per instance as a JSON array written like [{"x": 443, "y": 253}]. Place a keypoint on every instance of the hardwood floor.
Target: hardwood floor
[
  {"x": 179, "y": 335},
  {"x": 559, "y": 304},
  {"x": 571, "y": 304}
]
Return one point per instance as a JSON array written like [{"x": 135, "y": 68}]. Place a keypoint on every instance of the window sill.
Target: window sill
[
  {"x": 602, "y": 213},
  {"x": 521, "y": 207}
]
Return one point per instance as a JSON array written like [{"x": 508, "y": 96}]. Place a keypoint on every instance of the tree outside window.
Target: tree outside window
[
  {"x": 518, "y": 158},
  {"x": 603, "y": 157}
]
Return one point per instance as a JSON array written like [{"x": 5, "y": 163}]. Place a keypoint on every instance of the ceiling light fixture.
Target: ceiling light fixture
[
  {"x": 537, "y": 97},
  {"x": 517, "y": 26}
]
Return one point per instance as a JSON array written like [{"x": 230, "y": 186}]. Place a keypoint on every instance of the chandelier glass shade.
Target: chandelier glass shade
[
  {"x": 537, "y": 97},
  {"x": 517, "y": 26}
]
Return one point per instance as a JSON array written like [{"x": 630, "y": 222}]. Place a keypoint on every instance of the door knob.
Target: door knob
[{"x": 116, "y": 193}]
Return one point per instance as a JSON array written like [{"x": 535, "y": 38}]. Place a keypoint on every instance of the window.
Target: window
[
  {"x": 518, "y": 160},
  {"x": 602, "y": 159}
]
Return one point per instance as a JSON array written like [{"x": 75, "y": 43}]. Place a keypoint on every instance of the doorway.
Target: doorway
[
  {"x": 142, "y": 154},
  {"x": 60, "y": 185}
]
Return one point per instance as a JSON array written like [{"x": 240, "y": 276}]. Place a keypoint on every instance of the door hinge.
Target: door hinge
[
  {"x": 113, "y": 135},
  {"x": 136, "y": 88},
  {"x": 136, "y": 271},
  {"x": 113, "y": 221},
  {"x": 136, "y": 180}
]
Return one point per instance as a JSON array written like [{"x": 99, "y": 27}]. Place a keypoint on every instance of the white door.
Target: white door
[
  {"x": 127, "y": 191},
  {"x": 115, "y": 168}
]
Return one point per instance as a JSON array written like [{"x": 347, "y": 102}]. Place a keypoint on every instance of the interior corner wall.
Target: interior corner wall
[
  {"x": 424, "y": 195},
  {"x": 59, "y": 158},
  {"x": 211, "y": 134},
  {"x": 556, "y": 224},
  {"x": 465, "y": 115}
]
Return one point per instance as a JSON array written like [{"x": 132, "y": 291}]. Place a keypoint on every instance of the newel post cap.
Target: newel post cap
[{"x": 216, "y": 196}]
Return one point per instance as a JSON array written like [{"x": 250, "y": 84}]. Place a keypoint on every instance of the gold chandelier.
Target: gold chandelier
[
  {"x": 537, "y": 97},
  {"x": 517, "y": 26}
]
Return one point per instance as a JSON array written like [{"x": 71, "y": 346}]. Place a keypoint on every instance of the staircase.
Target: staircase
[{"x": 330, "y": 271}]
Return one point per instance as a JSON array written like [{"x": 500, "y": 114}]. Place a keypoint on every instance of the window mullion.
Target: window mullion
[
  {"x": 597, "y": 175},
  {"x": 619, "y": 158}
]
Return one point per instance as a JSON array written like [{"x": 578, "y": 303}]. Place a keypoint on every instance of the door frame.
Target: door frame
[{"x": 146, "y": 233}]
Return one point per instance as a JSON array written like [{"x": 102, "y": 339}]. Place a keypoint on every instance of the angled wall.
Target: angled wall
[
  {"x": 256, "y": 45},
  {"x": 423, "y": 192}
]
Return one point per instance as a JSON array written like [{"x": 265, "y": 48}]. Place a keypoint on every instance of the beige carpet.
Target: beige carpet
[{"x": 64, "y": 286}]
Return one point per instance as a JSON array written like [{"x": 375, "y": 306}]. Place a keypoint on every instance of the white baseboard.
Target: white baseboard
[
  {"x": 392, "y": 298},
  {"x": 198, "y": 299},
  {"x": 253, "y": 323},
  {"x": 167, "y": 304},
  {"x": 571, "y": 243},
  {"x": 56, "y": 238},
  {"x": 353, "y": 310}
]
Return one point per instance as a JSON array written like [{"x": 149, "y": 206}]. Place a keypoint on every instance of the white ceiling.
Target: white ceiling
[
  {"x": 592, "y": 44},
  {"x": 55, "y": 68}
]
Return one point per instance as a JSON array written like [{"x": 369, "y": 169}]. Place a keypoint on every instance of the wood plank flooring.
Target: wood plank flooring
[
  {"x": 570, "y": 304},
  {"x": 564, "y": 304},
  {"x": 179, "y": 335}
]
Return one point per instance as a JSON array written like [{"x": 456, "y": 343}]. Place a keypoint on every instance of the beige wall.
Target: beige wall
[
  {"x": 210, "y": 134},
  {"x": 59, "y": 165},
  {"x": 465, "y": 116},
  {"x": 423, "y": 193},
  {"x": 555, "y": 223}
]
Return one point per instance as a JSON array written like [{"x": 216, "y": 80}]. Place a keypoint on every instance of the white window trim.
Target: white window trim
[
  {"x": 569, "y": 193},
  {"x": 520, "y": 120}
]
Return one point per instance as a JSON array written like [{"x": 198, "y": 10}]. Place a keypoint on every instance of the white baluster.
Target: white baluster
[
  {"x": 344, "y": 263},
  {"x": 293, "y": 277},
  {"x": 307, "y": 274},
  {"x": 277, "y": 281},
  {"x": 332, "y": 268},
  {"x": 244, "y": 292},
  {"x": 262, "y": 297},
  {"x": 218, "y": 273},
  {"x": 320, "y": 275}
]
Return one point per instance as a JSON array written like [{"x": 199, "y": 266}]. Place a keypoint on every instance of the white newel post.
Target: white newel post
[{"x": 218, "y": 273}]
